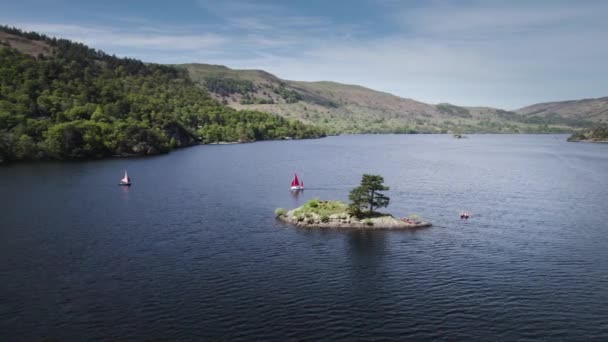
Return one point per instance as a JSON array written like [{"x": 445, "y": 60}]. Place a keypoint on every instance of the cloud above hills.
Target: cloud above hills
[{"x": 496, "y": 53}]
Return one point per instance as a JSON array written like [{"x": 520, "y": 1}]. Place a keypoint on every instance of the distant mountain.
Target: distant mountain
[
  {"x": 584, "y": 112},
  {"x": 61, "y": 99},
  {"x": 344, "y": 108}
]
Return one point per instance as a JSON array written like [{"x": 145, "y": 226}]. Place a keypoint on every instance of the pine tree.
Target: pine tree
[{"x": 367, "y": 196}]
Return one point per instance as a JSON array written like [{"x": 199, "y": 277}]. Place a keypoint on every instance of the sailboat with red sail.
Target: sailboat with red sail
[
  {"x": 126, "y": 181},
  {"x": 296, "y": 184}
]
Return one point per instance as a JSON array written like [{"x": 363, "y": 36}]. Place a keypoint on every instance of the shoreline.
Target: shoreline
[
  {"x": 590, "y": 141},
  {"x": 135, "y": 156},
  {"x": 346, "y": 221}
]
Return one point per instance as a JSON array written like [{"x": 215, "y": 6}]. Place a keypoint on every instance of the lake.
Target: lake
[{"x": 192, "y": 250}]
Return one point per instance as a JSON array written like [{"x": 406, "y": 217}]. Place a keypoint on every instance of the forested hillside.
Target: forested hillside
[{"x": 60, "y": 99}]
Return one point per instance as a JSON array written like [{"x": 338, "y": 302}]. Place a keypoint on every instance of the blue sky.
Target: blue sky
[{"x": 505, "y": 54}]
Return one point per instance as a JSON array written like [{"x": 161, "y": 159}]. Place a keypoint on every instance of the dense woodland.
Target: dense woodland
[
  {"x": 78, "y": 102},
  {"x": 226, "y": 86}
]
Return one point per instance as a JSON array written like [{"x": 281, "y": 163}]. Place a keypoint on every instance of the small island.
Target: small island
[
  {"x": 358, "y": 214},
  {"x": 597, "y": 135}
]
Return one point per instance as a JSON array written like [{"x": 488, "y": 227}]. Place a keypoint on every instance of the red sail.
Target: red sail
[{"x": 295, "y": 181}]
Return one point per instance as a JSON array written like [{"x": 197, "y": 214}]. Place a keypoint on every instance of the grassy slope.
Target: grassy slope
[
  {"x": 592, "y": 110},
  {"x": 27, "y": 46},
  {"x": 346, "y": 108}
]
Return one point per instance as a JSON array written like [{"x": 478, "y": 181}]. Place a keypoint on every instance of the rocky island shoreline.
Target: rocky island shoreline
[{"x": 335, "y": 214}]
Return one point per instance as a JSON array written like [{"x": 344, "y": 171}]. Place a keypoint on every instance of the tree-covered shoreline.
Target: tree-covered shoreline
[
  {"x": 76, "y": 102},
  {"x": 598, "y": 134}
]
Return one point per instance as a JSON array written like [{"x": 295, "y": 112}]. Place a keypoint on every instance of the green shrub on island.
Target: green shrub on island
[
  {"x": 313, "y": 203},
  {"x": 414, "y": 218},
  {"x": 279, "y": 212},
  {"x": 321, "y": 208}
]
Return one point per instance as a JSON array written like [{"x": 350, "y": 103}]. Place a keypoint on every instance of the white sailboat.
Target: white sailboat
[{"x": 126, "y": 181}]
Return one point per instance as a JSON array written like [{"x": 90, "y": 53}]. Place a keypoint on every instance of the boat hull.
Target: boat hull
[
  {"x": 297, "y": 188},
  {"x": 124, "y": 184}
]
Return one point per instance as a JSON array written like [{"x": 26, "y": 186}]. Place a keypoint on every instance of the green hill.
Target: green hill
[
  {"x": 579, "y": 113},
  {"x": 61, "y": 99},
  {"x": 343, "y": 108}
]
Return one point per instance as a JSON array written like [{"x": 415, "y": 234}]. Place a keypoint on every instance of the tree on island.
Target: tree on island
[{"x": 366, "y": 197}]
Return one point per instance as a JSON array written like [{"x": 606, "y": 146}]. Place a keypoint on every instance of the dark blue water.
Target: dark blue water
[{"x": 192, "y": 252}]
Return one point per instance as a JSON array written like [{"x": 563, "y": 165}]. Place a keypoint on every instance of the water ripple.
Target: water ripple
[{"x": 203, "y": 259}]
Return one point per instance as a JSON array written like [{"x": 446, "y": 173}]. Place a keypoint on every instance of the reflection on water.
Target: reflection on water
[
  {"x": 366, "y": 245},
  {"x": 366, "y": 251},
  {"x": 296, "y": 193}
]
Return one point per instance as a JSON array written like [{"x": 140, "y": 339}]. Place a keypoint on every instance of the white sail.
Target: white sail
[{"x": 125, "y": 179}]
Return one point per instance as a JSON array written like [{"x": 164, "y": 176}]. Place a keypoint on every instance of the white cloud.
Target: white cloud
[
  {"x": 507, "y": 55},
  {"x": 494, "y": 17},
  {"x": 100, "y": 37},
  {"x": 239, "y": 6}
]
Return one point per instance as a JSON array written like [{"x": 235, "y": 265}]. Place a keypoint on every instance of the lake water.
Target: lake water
[{"x": 192, "y": 251}]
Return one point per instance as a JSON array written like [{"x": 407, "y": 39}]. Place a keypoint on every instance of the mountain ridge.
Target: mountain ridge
[
  {"x": 351, "y": 108},
  {"x": 590, "y": 109}
]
